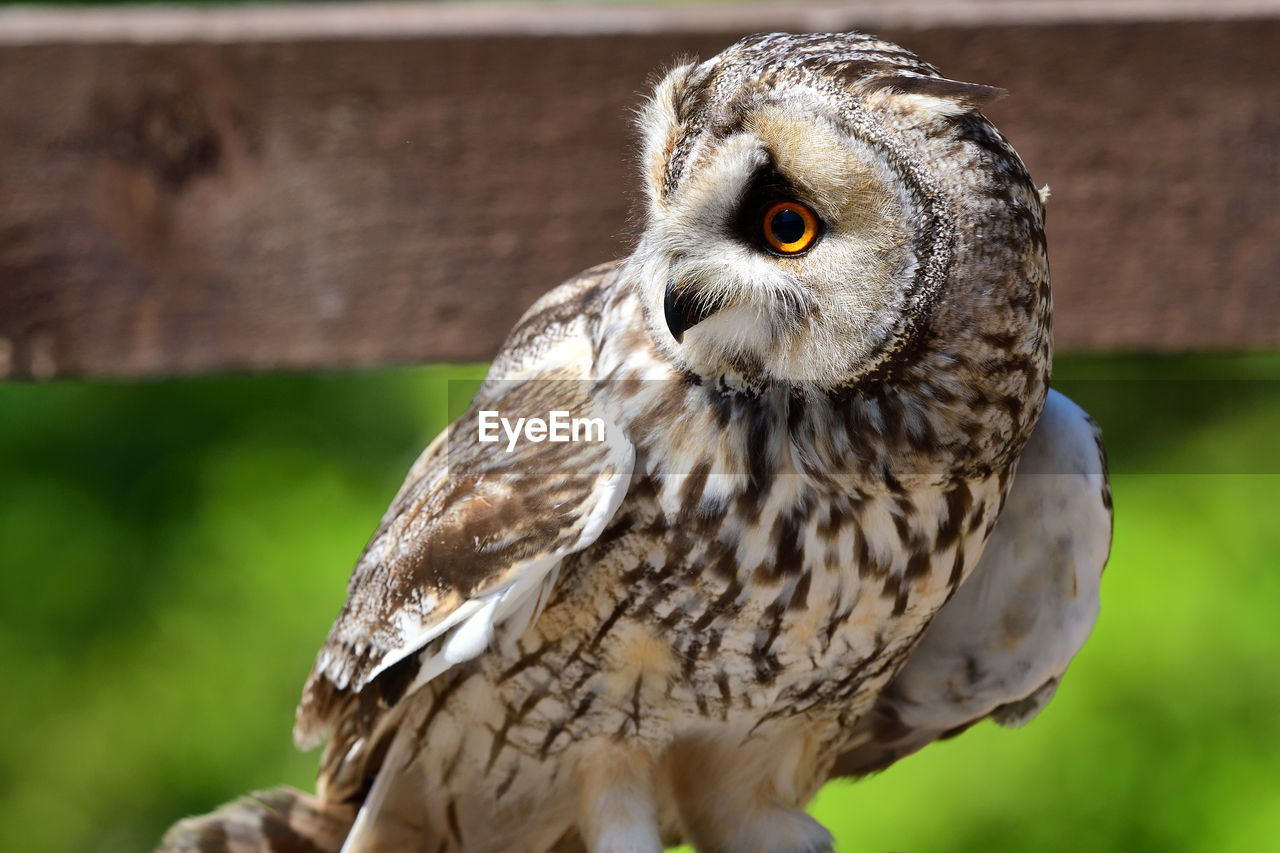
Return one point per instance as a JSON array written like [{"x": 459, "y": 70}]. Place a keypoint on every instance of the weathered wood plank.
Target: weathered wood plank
[
  {"x": 381, "y": 20},
  {"x": 176, "y": 200}
]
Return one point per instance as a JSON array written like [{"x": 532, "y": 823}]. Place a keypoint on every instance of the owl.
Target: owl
[{"x": 781, "y": 496}]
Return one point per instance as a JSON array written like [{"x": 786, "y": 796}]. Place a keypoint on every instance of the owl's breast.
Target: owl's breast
[{"x": 805, "y": 606}]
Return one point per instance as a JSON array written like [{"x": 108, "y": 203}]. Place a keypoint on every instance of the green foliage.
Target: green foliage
[{"x": 171, "y": 555}]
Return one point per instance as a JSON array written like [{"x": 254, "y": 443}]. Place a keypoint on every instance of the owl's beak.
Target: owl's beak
[{"x": 684, "y": 308}]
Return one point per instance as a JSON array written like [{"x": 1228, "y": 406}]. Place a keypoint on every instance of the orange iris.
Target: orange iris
[{"x": 789, "y": 227}]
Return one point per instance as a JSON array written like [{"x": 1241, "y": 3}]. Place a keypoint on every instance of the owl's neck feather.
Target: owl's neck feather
[{"x": 959, "y": 410}]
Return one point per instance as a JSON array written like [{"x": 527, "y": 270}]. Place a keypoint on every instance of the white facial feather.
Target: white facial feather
[{"x": 814, "y": 318}]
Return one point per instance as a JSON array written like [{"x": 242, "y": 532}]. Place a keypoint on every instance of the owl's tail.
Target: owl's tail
[{"x": 282, "y": 820}]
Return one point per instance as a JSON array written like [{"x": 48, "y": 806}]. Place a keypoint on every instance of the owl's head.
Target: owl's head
[{"x": 812, "y": 200}]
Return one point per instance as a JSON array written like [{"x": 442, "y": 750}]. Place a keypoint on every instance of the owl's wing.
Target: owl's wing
[
  {"x": 999, "y": 647},
  {"x": 468, "y": 551}
]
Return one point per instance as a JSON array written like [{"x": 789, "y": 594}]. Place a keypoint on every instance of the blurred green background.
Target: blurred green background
[{"x": 172, "y": 553}]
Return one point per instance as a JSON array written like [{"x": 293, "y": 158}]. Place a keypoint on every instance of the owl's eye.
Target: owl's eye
[{"x": 789, "y": 228}]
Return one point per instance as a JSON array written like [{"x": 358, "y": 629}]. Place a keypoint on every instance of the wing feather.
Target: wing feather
[{"x": 470, "y": 547}]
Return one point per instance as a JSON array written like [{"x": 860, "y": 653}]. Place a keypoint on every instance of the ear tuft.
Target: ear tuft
[
  {"x": 659, "y": 121},
  {"x": 950, "y": 97}
]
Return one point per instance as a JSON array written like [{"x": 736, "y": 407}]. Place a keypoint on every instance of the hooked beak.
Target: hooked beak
[{"x": 684, "y": 308}]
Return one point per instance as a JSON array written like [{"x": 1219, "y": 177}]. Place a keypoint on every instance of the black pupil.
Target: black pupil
[{"x": 787, "y": 226}]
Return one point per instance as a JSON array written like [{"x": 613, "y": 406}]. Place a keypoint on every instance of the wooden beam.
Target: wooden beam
[{"x": 326, "y": 187}]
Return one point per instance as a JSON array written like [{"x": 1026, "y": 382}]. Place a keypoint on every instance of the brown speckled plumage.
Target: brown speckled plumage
[{"x": 675, "y": 633}]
